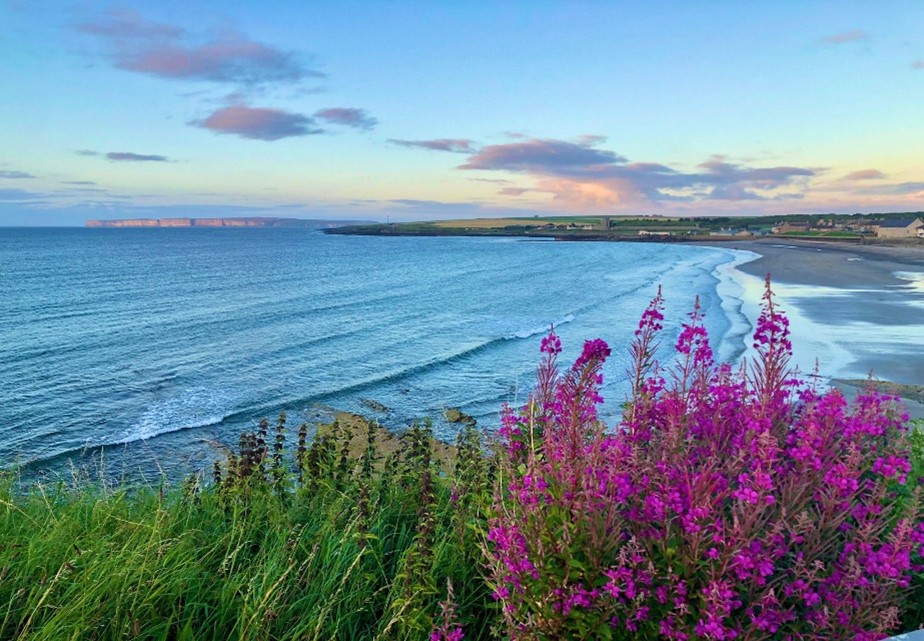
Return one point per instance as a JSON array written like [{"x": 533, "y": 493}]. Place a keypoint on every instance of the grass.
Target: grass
[
  {"x": 905, "y": 391},
  {"x": 352, "y": 537},
  {"x": 339, "y": 546}
]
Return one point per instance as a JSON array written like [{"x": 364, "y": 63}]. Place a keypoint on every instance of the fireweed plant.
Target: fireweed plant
[{"x": 727, "y": 504}]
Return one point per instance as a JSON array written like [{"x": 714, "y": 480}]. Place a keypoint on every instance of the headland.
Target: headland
[{"x": 255, "y": 221}]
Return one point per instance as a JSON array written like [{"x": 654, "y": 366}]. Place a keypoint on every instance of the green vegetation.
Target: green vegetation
[
  {"x": 355, "y": 535},
  {"x": 910, "y": 392},
  {"x": 655, "y": 227},
  {"x": 322, "y": 544},
  {"x": 820, "y": 234}
]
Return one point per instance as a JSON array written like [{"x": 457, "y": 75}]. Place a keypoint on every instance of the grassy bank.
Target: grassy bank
[
  {"x": 299, "y": 542},
  {"x": 355, "y": 536}
]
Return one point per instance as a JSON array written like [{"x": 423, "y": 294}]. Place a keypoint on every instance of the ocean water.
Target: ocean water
[{"x": 152, "y": 347}]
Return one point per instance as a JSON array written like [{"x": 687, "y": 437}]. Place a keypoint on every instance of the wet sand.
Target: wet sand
[{"x": 851, "y": 299}]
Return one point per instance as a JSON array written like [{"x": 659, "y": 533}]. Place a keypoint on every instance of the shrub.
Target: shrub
[{"x": 727, "y": 504}]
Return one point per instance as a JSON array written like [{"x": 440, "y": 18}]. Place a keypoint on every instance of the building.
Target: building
[
  {"x": 921, "y": 232},
  {"x": 786, "y": 227},
  {"x": 902, "y": 228}
]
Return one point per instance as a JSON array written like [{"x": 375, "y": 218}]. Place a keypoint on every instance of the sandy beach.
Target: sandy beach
[{"x": 857, "y": 309}]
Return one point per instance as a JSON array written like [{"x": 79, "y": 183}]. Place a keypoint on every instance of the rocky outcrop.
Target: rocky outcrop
[{"x": 455, "y": 415}]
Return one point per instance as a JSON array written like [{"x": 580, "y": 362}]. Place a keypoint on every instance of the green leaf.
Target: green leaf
[{"x": 186, "y": 634}]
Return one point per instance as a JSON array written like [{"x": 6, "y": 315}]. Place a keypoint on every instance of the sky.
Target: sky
[{"x": 422, "y": 110}]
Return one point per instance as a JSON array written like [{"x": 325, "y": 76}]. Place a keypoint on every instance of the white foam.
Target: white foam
[
  {"x": 735, "y": 304},
  {"x": 915, "y": 281},
  {"x": 544, "y": 329},
  {"x": 198, "y": 407}
]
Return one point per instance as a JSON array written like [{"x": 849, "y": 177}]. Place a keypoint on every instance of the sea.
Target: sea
[{"x": 147, "y": 351}]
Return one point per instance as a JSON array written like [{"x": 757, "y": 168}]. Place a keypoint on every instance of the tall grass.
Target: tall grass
[{"x": 343, "y": 546}]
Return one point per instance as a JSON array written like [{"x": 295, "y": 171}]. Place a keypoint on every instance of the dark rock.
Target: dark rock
[{"x": 374, "y": 405}]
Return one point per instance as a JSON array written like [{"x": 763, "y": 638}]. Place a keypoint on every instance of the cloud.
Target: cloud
[
  {"x": 498, "y": 181},
  {"x": 138, "y": 45},
  {"x": 347, "y": 117},
  {"x": 586, "y": 176},
  {"x": 18, "y": 195},
  {"x": 895, "y": 189},
  {"x": 515, "y": 191},
  {"x": 918, "y": 64},
  {"x": 864, "y": 174},
  {"x": 117, "y": 156},
  {"x": 127, "y": 156},
  {"x": 79, "y": 182},
  {"x": 735, "y": 182},
  {"x": 541, "y": 155},
  {"x": 455, "y": 145},
  {"x": 846, "y": 36},
  {"x": 15, "y": 174},
  {"x": 258, "y": 123},
  {"x": 591, "y": 140}
]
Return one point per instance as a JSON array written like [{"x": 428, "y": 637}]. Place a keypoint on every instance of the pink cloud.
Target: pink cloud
[
  {"x": 515, "y": 191},
  {"x": 258, "y": 123},
  {"x": 142, "y": 46},
  {"x": 864, "y": 174},
  {"x": 846, "y": 36},
  {"x": 540, "y": 155},
  {"x": 585, "y": 176},
  {"x": 347, "y": 117}
]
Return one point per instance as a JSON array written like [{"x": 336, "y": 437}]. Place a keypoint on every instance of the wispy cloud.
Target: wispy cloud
[
  {"x": 15, "y": 174},
  {"x": 127, "y": 156},
  {"x": 347, "y": 117},
  {"x": 258, "y": 123},
  {"x": 18, "y": 195},
  {"x": 497, "y": 181},
  {"x": 590, "y": 140},
  {"x": 844, "y": 37},
  {"x": 917, "y": 64},
  {"x": 136, "y": 44},
  {"x": 119, "y": 156},
  {"x": 516, "y": 191},
  {"x": 455, "y": 145},
  {"x": 864, "y": 174},
  {"x": 895, "y": 189}
]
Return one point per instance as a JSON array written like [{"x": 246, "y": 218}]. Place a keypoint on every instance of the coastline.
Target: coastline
[{"x": 857, "y": 309}]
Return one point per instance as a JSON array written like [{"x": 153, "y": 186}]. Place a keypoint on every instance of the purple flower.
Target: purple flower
[{"x": 595, "y": 351}]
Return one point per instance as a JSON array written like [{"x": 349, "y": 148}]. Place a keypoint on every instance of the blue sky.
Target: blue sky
[{"x": 424, "y": 110}]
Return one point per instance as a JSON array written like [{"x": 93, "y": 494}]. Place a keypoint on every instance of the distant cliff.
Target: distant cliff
[{"x": 217, "y": 222}]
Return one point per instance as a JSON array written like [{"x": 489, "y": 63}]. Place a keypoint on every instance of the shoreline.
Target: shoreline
[{"x": 857, "y": 309}]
